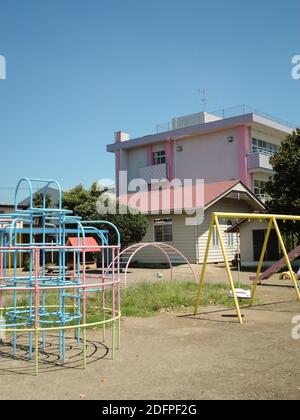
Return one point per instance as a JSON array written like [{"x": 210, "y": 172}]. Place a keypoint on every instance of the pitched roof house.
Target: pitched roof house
[{"x": 167, "y": 225}]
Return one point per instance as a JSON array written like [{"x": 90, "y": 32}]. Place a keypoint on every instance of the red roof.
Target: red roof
[
  {"x": 215, "y": 190},
  {"x": 189, "y": 197},
  {"x": 5, "y": 222},
  {"x": 90, "y": 242}
]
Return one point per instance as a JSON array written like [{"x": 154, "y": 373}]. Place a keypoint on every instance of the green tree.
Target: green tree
[
  {"x": 38, "y": 201},
  {"x": 283, "y": 189},
  {"x": 83, "y": 203}
]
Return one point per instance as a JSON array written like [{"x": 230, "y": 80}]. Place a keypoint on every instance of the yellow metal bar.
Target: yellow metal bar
[
  {"x": 65, "y": 328},
  {"x": 261, "y": 261},
  {"x": 256, "y": 216},
  {"x": 272, "y": 218},
  {"x": 210, "y": 233},
  {"x": 288, "y": 262},
  {"x": 228, "y": 271}
]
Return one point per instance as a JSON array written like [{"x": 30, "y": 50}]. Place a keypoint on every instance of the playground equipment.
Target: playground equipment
[
  {"x": 287, "y": 276},
  {"x": 272, "y": 223},
  {"x": 37, "y": 303},
  {"x": 173, "y": 258},
  {"x": 279, "y": 265}
]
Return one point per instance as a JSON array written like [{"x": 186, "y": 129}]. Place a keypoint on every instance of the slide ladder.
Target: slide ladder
[{"x": 279, "y": 265}]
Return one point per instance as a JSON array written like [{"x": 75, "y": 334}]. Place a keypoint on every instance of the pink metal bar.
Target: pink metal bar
[
  {"x": 84, "y": 288},
  {"x": 54, "y": 288},
  {"x": 113, "y": 284},
  {"x": 37, "y": 288},
  {"x": 166, "y": 249}
]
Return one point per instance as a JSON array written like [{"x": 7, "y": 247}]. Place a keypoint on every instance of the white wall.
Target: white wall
[
  {"x": 184, "y": 239},
  {"x": 209, "y": 157},
  {"x": 260, "y": 176},
  {"x": 136, "y": 158},
  {"x": 265, "y": 136},
  {"x": 158, "y": 147},
  {"x": 215, "y": 253},
  {"x": 191, "y": 240}
]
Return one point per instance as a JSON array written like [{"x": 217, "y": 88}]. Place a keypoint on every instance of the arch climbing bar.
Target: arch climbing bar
[{"x": 172, "y": 255}]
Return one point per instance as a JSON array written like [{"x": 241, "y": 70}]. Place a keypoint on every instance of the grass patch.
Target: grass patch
[{"x": 148, "y": 299}]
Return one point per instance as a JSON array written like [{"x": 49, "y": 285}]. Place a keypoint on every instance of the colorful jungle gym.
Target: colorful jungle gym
[
  {"x": 285, "y": 261},
  {"x": 40, "y": 301}
]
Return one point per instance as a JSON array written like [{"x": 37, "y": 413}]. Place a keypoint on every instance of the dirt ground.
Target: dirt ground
[{"x": 175, "y": 356}]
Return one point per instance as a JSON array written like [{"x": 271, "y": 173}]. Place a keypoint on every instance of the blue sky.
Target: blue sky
[{"x": 79, "y": 70}]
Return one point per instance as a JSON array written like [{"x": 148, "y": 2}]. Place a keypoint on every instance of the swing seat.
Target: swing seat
[{"x": 241, "y": 294}]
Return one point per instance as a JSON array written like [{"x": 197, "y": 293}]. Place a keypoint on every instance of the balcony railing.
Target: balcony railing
[
  {"x": 259, "y": 162},
  {"x": 262, "y": 151}
]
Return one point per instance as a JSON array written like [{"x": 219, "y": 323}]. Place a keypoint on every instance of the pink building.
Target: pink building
[
  {"x": 213, "y": 147},
  {"x": 232, "y": 155}
]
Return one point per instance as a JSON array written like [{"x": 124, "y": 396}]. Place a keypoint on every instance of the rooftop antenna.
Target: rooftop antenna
[{"x": 203, "y": 95}]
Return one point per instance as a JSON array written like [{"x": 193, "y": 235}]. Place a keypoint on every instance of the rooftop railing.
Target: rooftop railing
[{"x": 230, "y": 113}]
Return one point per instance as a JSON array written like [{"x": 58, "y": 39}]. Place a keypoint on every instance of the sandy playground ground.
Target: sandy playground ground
[{"x": 176, "y": 356}]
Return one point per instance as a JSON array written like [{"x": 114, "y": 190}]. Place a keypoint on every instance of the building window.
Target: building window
[
  {"x": 259, "y": 189},
  {"x": 230, "y": 235},
  {"x": 216, "y": 241},
  {"x": 260, "y": 146},
  {"x": 159, "y": 158},
  {"x": 163, "y": 230}
]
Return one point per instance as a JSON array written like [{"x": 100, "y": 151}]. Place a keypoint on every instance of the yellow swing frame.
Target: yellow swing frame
[{"x": 240, "y": 216}]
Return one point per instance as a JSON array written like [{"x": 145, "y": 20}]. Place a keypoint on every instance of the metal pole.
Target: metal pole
[
  {"x": 37, "y": 305},
  {"x": 229, "y": 271},
  {"x": 84, "y": 310},
  {"x": 292, "y": 274},
  {"x": 261, "y": 261},
  {"x": 201, "y": 283}
]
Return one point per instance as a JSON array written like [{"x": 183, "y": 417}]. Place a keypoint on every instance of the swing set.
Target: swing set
[{"x": 272, "y": 223}]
